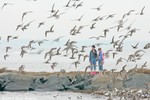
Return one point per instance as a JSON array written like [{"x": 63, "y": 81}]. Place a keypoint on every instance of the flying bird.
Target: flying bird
[
  {"x": 136, "y": 46},
  {"x": 98, "y": 8},
  {"x": 142, "y": 11},
  {"x": 5, "y": 4},
  {"x": 5, "y": 56},
  {"x": 24, "y": 14}
]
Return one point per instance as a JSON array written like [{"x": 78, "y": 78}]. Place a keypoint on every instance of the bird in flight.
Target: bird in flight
[
  {"x": 5, "y": 4},
  {"x": 24, "y": 14}
]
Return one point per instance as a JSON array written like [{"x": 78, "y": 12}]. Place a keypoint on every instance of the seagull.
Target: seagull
[
  {"x": 24, "y": 14},
  {"x": 136, "y": 46},
  {"x": 5, "y": 56},
  {"x": 7, "y": 48},
  {"x": 85, "y": 56},
  {"x": 5, "y": 4},
  {"x": 98, "y": 8},
  {"x": 142, "y": 11}
]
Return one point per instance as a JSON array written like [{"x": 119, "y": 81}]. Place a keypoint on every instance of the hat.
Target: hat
[{"x": 93, "y": 46}]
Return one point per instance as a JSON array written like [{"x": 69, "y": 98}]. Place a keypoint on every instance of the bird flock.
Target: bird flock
[{"x": 70, "y": 49}]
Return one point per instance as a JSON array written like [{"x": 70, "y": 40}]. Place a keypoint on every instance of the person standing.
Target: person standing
[
  {"x": 100, "y": 60},
  {"x": 93, "y": 59}
]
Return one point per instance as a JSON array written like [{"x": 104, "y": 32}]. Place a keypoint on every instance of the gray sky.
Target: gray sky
[{"x": 10, "y": 17}]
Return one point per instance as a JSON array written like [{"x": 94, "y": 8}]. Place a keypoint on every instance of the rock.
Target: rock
[
  {"x": 54, "y": 83},
  {"x": 18, "y": 86},
  {"x": 136, "y": 81}
]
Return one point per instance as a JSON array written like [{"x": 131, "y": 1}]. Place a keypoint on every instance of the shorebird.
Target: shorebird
[
  {"x": 93, "y": 26},
  {"x": 79, "y": 56},
  {"x": 52, "y": 10},
  {"x": 7, "y": 48},
  {"x": 110, "y": 16},
  {"x": 142, "y": 11},
  {"x": 79, "y": 5},
  {"x": 98, "y": 8},
  {"x": 85, "y": 56},
  {"x": 5, "y": 56},
  {"x": 147, "y": 46},
  {"x": 30, "y": 43},
  {"x": 83, "y": 47},
  {"x": 50, "y": 53},
  {"x": 76, "y": 63},
  {"x": 120, "y": 60},
  {"x": 105, "y": 32},
  {"x": 79, "y": 19},
  {"x": 19, "y": 26},
  {"x": 136, "y": 46},
  {"x": 41, "y": 41},
  {"x": 54, "y": 64},
  {"x": 58, "y": 39},
  {"x": 67, "y": 5},
  {"x": 133, "y": 31},
  {"x": 96, "y": 19},
  {"x": 21, "y": 69},
  {"x": 67, "y": 43},
  {"x": 24, "y": 14},
  {"x": 22, "y": 53},
  {"x": 107, "y": 53},
  {"x": 144, "y": 65},
  {"x": 114, "y": 53},
  {"x": 8, "y": 38},
  {"x": 58, "y": 51},
  {"x": 73, "y": 53},
  {"x": 41, "y": 23},
  {"x": 5, "y": 4},
  {"x": 25, "y": 27},
  {"x": 127, "y": 14},
  {"x": 97, "y": 38}
]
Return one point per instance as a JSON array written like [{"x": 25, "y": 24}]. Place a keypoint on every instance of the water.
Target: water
[{"x": 48, "y": 96}]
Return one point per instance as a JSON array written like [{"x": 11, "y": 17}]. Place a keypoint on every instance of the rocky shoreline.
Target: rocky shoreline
[{"x": 75, "y": 81}]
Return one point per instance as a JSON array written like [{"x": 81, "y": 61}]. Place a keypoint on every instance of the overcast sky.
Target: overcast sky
[{"x": 10, "y": 17}]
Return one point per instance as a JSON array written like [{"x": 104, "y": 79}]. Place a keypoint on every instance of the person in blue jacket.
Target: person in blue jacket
[{"x": 93, "y": 59}]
